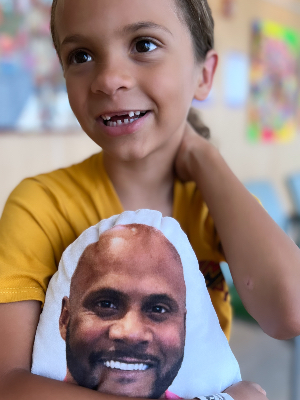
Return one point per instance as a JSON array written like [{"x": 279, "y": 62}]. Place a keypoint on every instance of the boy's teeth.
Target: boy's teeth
[
  {"x": 131, "y": 114},
  {"x": 134, "y": 115},
  {"x": 113, "y": 124}
]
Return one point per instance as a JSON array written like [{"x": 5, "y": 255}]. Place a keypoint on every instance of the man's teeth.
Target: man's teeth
[{"x": 125, "y": 366}]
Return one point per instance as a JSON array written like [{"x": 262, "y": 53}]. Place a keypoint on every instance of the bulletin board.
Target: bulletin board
[{"x": 33, "y": 95}]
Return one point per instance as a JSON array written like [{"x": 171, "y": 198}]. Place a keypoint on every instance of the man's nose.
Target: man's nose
[
  {"x": 131, "y": 329},
  {"x": 111, "y": 76}
]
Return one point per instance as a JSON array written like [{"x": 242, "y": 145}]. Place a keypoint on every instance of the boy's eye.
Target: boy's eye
[
  {"x": 80, "y": 57},
  {"x": 145, "y": 46}
]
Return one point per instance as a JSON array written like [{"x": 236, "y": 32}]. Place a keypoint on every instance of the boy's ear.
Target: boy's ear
[{"x": 206, "y": 75}]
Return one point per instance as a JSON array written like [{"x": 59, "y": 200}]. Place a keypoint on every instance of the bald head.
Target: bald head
[{"x": 134, "y": 245}]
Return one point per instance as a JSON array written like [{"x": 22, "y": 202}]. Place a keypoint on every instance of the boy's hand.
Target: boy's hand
[
  {"x": 191, "y": 143},
  {"x": 246, "y": 391}
]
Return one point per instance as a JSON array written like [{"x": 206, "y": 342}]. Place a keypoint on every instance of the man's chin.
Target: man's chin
[
  {"x": 126, "y": 393},
  {"x": 130, "y": 386}
]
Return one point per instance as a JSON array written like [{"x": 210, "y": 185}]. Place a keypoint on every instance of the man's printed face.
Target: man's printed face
[{"x": 125, "y": 321}]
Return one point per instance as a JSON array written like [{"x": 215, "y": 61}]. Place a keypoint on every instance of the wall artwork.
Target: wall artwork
[
  {"x": 32, "y": 91},
  {"x": 274, "y": 83}
]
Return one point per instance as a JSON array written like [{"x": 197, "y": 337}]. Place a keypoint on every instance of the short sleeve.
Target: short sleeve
[
  {"x": 45, "y": 214},
  {"x": 33, "y": 235}
]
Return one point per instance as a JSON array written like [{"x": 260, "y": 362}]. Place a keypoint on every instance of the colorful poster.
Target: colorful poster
[
  {"x": 274, "y": 83},
  {"x": 32, "y": 91}
]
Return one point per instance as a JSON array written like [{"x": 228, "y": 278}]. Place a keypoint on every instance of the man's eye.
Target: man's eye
[
  {"x": 158, "y": 310},
  {"x": 145, "y": 46},
  {"x": 80, "y": 57},
  {"x": 106, "y": 304}
]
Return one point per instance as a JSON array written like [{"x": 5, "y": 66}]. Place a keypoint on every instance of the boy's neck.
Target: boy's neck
[{"x": 146, "y": 183}]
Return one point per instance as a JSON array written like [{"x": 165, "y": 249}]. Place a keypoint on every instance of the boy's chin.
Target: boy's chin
[{"x": 128, "y": 153}]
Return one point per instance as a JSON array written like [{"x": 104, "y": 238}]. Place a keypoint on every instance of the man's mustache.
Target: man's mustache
[{"x": 98, "y": 357}]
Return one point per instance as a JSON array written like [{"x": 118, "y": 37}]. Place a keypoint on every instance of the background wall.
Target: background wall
[
  {"x": 250, "y": 161},
  {"x": 25, "y": 155}
]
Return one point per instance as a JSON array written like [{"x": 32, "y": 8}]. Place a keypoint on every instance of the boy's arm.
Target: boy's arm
[
  {"x": 17, "y": 331},
  {"x": 264, "y": 261},
  {"x": 240, "y": 391},
  {"x": 246, "y": 391}
]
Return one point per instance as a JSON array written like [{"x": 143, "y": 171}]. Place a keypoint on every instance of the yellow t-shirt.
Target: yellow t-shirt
[{"x": 45, "y": 214}]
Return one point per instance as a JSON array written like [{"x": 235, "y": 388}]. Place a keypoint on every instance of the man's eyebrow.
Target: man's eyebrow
[
  {"x": 132, "y": 28},
  {"x": 111, "y": 294}
]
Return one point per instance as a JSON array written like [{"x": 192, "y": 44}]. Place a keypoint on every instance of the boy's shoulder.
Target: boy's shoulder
[
  {"x": 66, "y": 181},
  {"x": 80, "y": 190},
  {"x": 85, "y": 171}
]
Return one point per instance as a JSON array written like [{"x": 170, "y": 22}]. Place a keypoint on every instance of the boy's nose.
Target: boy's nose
[
  {"x": 111, "y": 78},
  {"x": 131, "y": 329}
]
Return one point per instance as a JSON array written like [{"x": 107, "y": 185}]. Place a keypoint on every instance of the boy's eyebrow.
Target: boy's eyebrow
[
  {"x": 72, "y": 39},
  {"x": 131, "y": 28}
]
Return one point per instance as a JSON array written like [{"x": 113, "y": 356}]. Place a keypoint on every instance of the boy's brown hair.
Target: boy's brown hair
[{"x": 196, "y": 15}]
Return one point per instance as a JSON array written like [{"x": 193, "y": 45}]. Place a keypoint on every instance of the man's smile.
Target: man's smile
[
  {"x": 121, "y": 361},
  {"x": 124, "y": 366}
]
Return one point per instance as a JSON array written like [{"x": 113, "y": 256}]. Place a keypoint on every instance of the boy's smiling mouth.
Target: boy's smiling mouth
[{"x": 122, "y": 118}]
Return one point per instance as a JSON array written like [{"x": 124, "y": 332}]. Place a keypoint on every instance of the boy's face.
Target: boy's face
[{"x": 128, "y": 56}]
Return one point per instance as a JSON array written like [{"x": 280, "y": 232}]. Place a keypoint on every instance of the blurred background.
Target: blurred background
[{"x": 253, "y": 112}]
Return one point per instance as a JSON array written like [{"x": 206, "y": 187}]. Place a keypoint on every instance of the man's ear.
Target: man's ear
[
  {"x": 206, "y": 75},
  {"x": 64, "y": 317}
]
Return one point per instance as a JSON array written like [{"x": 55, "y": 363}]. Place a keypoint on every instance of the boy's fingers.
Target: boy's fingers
[{"x": 260, "y": 389}]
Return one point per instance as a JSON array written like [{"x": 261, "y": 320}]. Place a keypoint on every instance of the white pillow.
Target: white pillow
[{"x": 208, "y": 364}]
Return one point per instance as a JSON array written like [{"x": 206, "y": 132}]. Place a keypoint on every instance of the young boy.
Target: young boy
[{"x": 131, "y": 73}]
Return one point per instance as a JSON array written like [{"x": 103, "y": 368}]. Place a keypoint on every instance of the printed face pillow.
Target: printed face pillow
[{"x": 128, "y": 313}]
